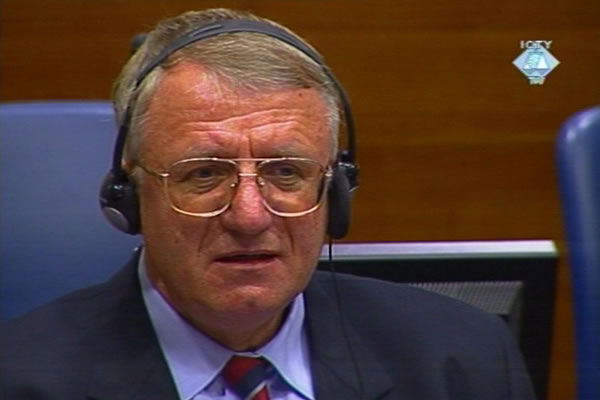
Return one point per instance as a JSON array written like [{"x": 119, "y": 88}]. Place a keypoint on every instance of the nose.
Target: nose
[{"x": 247, "y": 214}]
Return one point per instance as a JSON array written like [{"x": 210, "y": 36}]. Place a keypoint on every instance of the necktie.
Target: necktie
[{"x": 246, "y": 377}]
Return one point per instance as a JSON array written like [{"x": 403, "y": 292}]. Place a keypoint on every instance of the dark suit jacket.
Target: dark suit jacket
[{"x": 399, "y": 343}]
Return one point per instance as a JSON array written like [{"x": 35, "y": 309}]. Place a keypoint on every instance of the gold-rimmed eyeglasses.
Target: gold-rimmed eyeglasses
[{"x": 205, "y": 186}]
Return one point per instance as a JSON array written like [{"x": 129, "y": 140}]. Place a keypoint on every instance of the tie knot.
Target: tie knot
[{"x": 246, "y": 375}]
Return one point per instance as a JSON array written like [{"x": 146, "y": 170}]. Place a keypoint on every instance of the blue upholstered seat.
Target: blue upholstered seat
[
  {"x": 53, "y": 237},
  {"x": 578, "y": 160}
]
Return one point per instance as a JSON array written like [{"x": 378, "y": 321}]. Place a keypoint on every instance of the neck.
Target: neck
[
  {"x": 243, "y": 329},
  {"x": 240, "y": 337}
]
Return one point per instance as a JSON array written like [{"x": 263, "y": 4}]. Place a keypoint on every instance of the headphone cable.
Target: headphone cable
[{"x": 339, "y": 307}]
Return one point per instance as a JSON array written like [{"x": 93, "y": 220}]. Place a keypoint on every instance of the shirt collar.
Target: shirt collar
[{"x": 195, "y": 360}]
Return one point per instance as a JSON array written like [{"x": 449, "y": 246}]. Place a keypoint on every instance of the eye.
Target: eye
[
  {"x": 201, "y": 176},
  {"x": 286, "y": 175},
  {"x": 287, "y": 170},
  {"x": 206, "y": 172}
]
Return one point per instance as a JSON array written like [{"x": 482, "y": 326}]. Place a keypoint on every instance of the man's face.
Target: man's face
[{"x": 245, "y": 263}]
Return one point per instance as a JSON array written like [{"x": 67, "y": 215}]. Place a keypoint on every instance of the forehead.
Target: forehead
[{"x": 194, "y": 108}]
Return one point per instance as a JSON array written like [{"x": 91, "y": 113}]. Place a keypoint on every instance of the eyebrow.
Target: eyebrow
[
  {"x": 202, "y": 151},
  {"x": 280, "y": 151},
  {"x": 291, "y": 149}
]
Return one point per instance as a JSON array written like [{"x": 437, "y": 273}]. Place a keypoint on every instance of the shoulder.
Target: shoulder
[
  {"x": 397, "y": 311},
  {"x": 446, "y": 342},
  {"x": 48, "y": 345},
  {"x": 53, "y": 348},
  {"x": 399, "y": 297},
  {"x": 62, "y": 329},
  {"x": 54, "y": 323}
]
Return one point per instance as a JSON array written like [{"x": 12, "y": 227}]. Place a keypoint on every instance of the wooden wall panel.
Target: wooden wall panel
[{"x": 453, "y": 142}]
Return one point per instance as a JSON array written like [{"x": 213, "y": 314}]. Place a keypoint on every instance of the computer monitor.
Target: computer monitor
[{"x": 513, "y": 279}]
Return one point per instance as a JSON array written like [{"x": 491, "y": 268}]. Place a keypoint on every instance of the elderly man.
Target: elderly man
[{"x": 227, "y": 164}]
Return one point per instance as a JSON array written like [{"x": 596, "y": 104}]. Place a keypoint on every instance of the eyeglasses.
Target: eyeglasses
[{"x": 205, "y": 187}]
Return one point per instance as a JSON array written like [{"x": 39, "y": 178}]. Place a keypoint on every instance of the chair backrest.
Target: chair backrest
[
  {"x": 578, "y": 161},
  {"x": 53, "y": 237}
]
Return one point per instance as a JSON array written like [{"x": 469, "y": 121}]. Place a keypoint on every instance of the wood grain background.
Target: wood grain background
[{"x": 454, "y": 144}]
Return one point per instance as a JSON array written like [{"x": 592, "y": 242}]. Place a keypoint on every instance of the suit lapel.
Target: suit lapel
[
  {"x": 334, "y": 366},
  {"x": 129, "y": 363}
]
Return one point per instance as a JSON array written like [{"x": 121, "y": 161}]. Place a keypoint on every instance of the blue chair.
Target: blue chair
[
  {"x": 578, "y": 160},
  {"x": 53, "y": 237}
]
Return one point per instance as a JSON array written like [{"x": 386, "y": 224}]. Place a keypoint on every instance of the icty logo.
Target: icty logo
[{"x": 536, "y": 62}]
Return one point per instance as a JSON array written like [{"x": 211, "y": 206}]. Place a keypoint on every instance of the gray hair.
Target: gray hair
[{"x": 247, "y": 60}]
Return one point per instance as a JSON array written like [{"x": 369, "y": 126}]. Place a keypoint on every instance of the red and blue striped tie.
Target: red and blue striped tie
[{"x": 246, "y": 377}]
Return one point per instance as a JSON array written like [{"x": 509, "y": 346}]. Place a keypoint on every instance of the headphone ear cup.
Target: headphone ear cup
[
  {"x": 339, "y": 204},
  {"x": 119, "y": 203}
]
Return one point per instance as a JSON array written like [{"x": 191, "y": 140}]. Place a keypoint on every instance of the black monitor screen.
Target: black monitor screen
[{"x": 512, "y": 279}]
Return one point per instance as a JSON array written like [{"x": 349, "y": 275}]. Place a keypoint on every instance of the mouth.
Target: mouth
[{"x": 247, "y": 258}]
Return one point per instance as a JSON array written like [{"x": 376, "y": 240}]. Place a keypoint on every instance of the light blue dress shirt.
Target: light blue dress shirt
[{"x": 195, "y": 360}]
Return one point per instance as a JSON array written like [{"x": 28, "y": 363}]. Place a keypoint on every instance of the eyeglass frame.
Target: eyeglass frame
[{"x": 326, "y": 175}]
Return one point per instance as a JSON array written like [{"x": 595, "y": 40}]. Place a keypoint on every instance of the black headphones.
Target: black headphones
[{"x": 118, "y": 197}]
